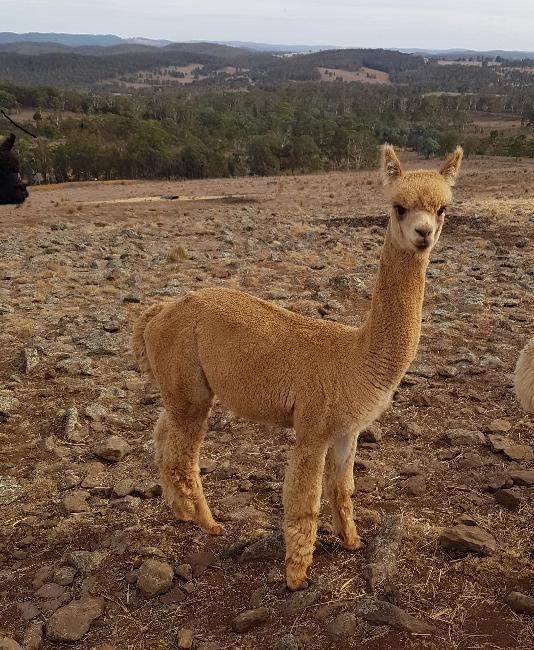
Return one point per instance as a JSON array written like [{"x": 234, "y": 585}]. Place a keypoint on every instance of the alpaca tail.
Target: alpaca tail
[
  {"x": 524, "y": 377},
  {"x": 138, "y": 343}
]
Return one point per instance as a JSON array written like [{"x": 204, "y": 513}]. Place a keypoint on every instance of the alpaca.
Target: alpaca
[
  {"x": 524, "y": 377},
  {"x": 12, "y": 188},
  {"x": 327, "y": 380}
]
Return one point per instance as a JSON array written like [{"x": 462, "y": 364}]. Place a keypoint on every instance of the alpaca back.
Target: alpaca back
[{"x": 524, "y": 377}]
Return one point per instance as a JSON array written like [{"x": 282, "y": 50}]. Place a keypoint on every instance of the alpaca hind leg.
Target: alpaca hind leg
[
  {"x": 302, "y": 499},
  {"x": 339, "y": 479},
  {"x": 184, "y": 429}
]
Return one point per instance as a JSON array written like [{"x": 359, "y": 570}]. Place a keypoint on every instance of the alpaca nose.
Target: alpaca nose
[{"x": 424, "y": 231}]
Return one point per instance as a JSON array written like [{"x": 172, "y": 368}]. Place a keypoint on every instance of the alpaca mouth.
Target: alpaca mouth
[{"x": 422, "y": 246}]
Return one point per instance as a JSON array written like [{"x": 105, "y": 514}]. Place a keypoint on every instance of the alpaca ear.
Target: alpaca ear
[
  {"x": 391, "y": 167},
  {"x": 450, "y": 168},
  {"x": 8, "y": 143}
]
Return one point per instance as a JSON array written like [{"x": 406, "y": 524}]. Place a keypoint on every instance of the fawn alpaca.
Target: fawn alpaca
[{"x": 327, "y": 380}]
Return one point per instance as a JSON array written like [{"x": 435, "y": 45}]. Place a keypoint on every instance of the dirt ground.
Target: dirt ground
[{"x": 74, "y": 276}]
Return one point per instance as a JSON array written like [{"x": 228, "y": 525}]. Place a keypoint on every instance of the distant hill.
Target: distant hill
[
  {"x": 465, "y": 54},
  {"x": 78, "y": 40}
]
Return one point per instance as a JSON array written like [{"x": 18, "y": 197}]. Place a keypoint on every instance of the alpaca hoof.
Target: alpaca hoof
[
  {"x": 351, "y": 543},
  {"x": 297, "y": 585},
  {"x": 214, "y": 529}
]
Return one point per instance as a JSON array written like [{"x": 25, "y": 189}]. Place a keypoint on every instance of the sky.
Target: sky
[{"x": 431, "y": 24}]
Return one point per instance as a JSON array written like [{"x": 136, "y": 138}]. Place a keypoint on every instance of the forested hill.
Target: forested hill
[{"x": 52, "y": 63}]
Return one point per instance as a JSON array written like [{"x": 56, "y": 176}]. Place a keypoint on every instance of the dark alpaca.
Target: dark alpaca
[{"x": 12, "y": 188}]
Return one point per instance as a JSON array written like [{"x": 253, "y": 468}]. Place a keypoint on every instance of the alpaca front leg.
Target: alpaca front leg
[
  {"x": 302, "y": 499},
  {"x": 178, "y": 439},
  {"x": 339, "y": 478}
]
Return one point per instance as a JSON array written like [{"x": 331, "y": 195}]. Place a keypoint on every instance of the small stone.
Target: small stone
[
  {"x": 499, "y": 426},
  {"x": 71, "y": 425},
  {"x": 51, "y": 590},
  {"x": 185, "y": 639},
  {"x": 189, "y": 587},
  {"x": 124, "y": 487},
  {"x": 76, "y": 502},
  {"x": 461, "y": 437},
  {"x": 184, "y": 571},
  {"x": 128, "y": 503},
  {"x": 299, "y": 600},
  {"x": 201, "y": 561},
  {"x": 415, "y": 485},
  {"x": 148, "y": 489},
  {"x": 411, "y": 430},
  {"x": 96, "y": 412},
  {"x": 10, "y": 490},
  {"x": 287, "y": 642},
  {"x": 410, "y": 469},
  {"x": 27, "y": 360},
  {"x": 155, "y": 578},
  {"x": 520, "y": 603},
  {"x": 41, "y": 576},
  {"x": 64, "y": 575},
  {"x": 365, "y": 484},
  {"x": 33, "y": 635},
  {"x": 72, "y": 622},
  {"x": 509, "y": 499},
  {"x": 85, "y": 561},
  {"x": 373, "y": 433},
  {"x": 113, "y": 449},
  {"x": 519, "y": 453},
  {"x": 250, "y": 619},
  {"x": 173, "y": 596},
  {"x": 132, "y": 298},
  {"x": 496, "y": 482},
  {"x": 266, "y": 548},
  {"x": 383, "y": 613},
  {"x": 343, "y": 625},
  {"x": 28, "y": 610},
  {"x": 468, "y": 539},
  {"x": 522, "y": 477}
]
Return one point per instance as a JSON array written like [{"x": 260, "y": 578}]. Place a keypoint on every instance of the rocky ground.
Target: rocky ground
[{"x": 89, "y": 552}]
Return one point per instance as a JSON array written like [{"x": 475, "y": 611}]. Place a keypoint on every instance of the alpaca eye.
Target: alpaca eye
[
  {"x": 401, "y": 210},
  {"x": 441, "y": 211}
]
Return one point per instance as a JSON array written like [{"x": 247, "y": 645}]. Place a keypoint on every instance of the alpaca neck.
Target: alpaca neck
[{"x": 390, "y": 335}]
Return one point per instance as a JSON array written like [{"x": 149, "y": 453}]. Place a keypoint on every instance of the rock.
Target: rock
[
  {"x": 250, "y": 619},
  {"x": 267, "y": 548},
  {"x": 148, "y": 489},
  {"x": 383, "y": 613},
  {"x": 287, "y": 642},
  {"x": 8, "y": 405},
  {"x": 69, "y": 480},
  {"x": 383, "y": 551},
  {"x": 461, "y": 437},
  {"x": 496, "y": 482},
  {"x": 173, "y": 596},
  {"x": 468, "y": 539},
  {"x": 510, "y": 499},
  {"x": 85, "y": 561},
  {"x": 499, "y": 426},
  {"x": 184, "y": 571},
  {"x": 51, "y": 590},
  {"x": 64, "y": 575},
  {"x": 522, "y": 477},
  {"x": 410, "y": 430},
  {"x": 185, "y": 639},
  {"x": 410, "y": 469},
  {"x": 299, "y": 600},
  {"x": 9, "y": 644},
  {"x": 113, "y": 449},
  {"x": 33, "y": 635},
  {"x": 10, "y": 490},
  {"x": 76, "y": 502},
  {"x": 27, "y": 610},
  {"x": 124, "y": 487},
  {"x": 415, "y": 485},
  {"x": 514, "y": 452},
  {"x": 365, "y": 484},
  {"x": 72, "y": 622},
  {"x": 96, "y": 412},
  {"x": 71, "y": 425},
  {"x": 41, "y": 576},
  {"x": 373, "y": 433},
  {"x": 200, "y": 561},
  {"x": 519, "y": 603},
  {"x": 27, "y": 360},
  {"x": 343, "y": 625},
  {"x": 155, "y": 578}
]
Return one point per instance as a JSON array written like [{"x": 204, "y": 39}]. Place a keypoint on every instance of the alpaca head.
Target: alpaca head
[
  {"x": 12, "y": 188},
  {"x": 418, "y": 199}
]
